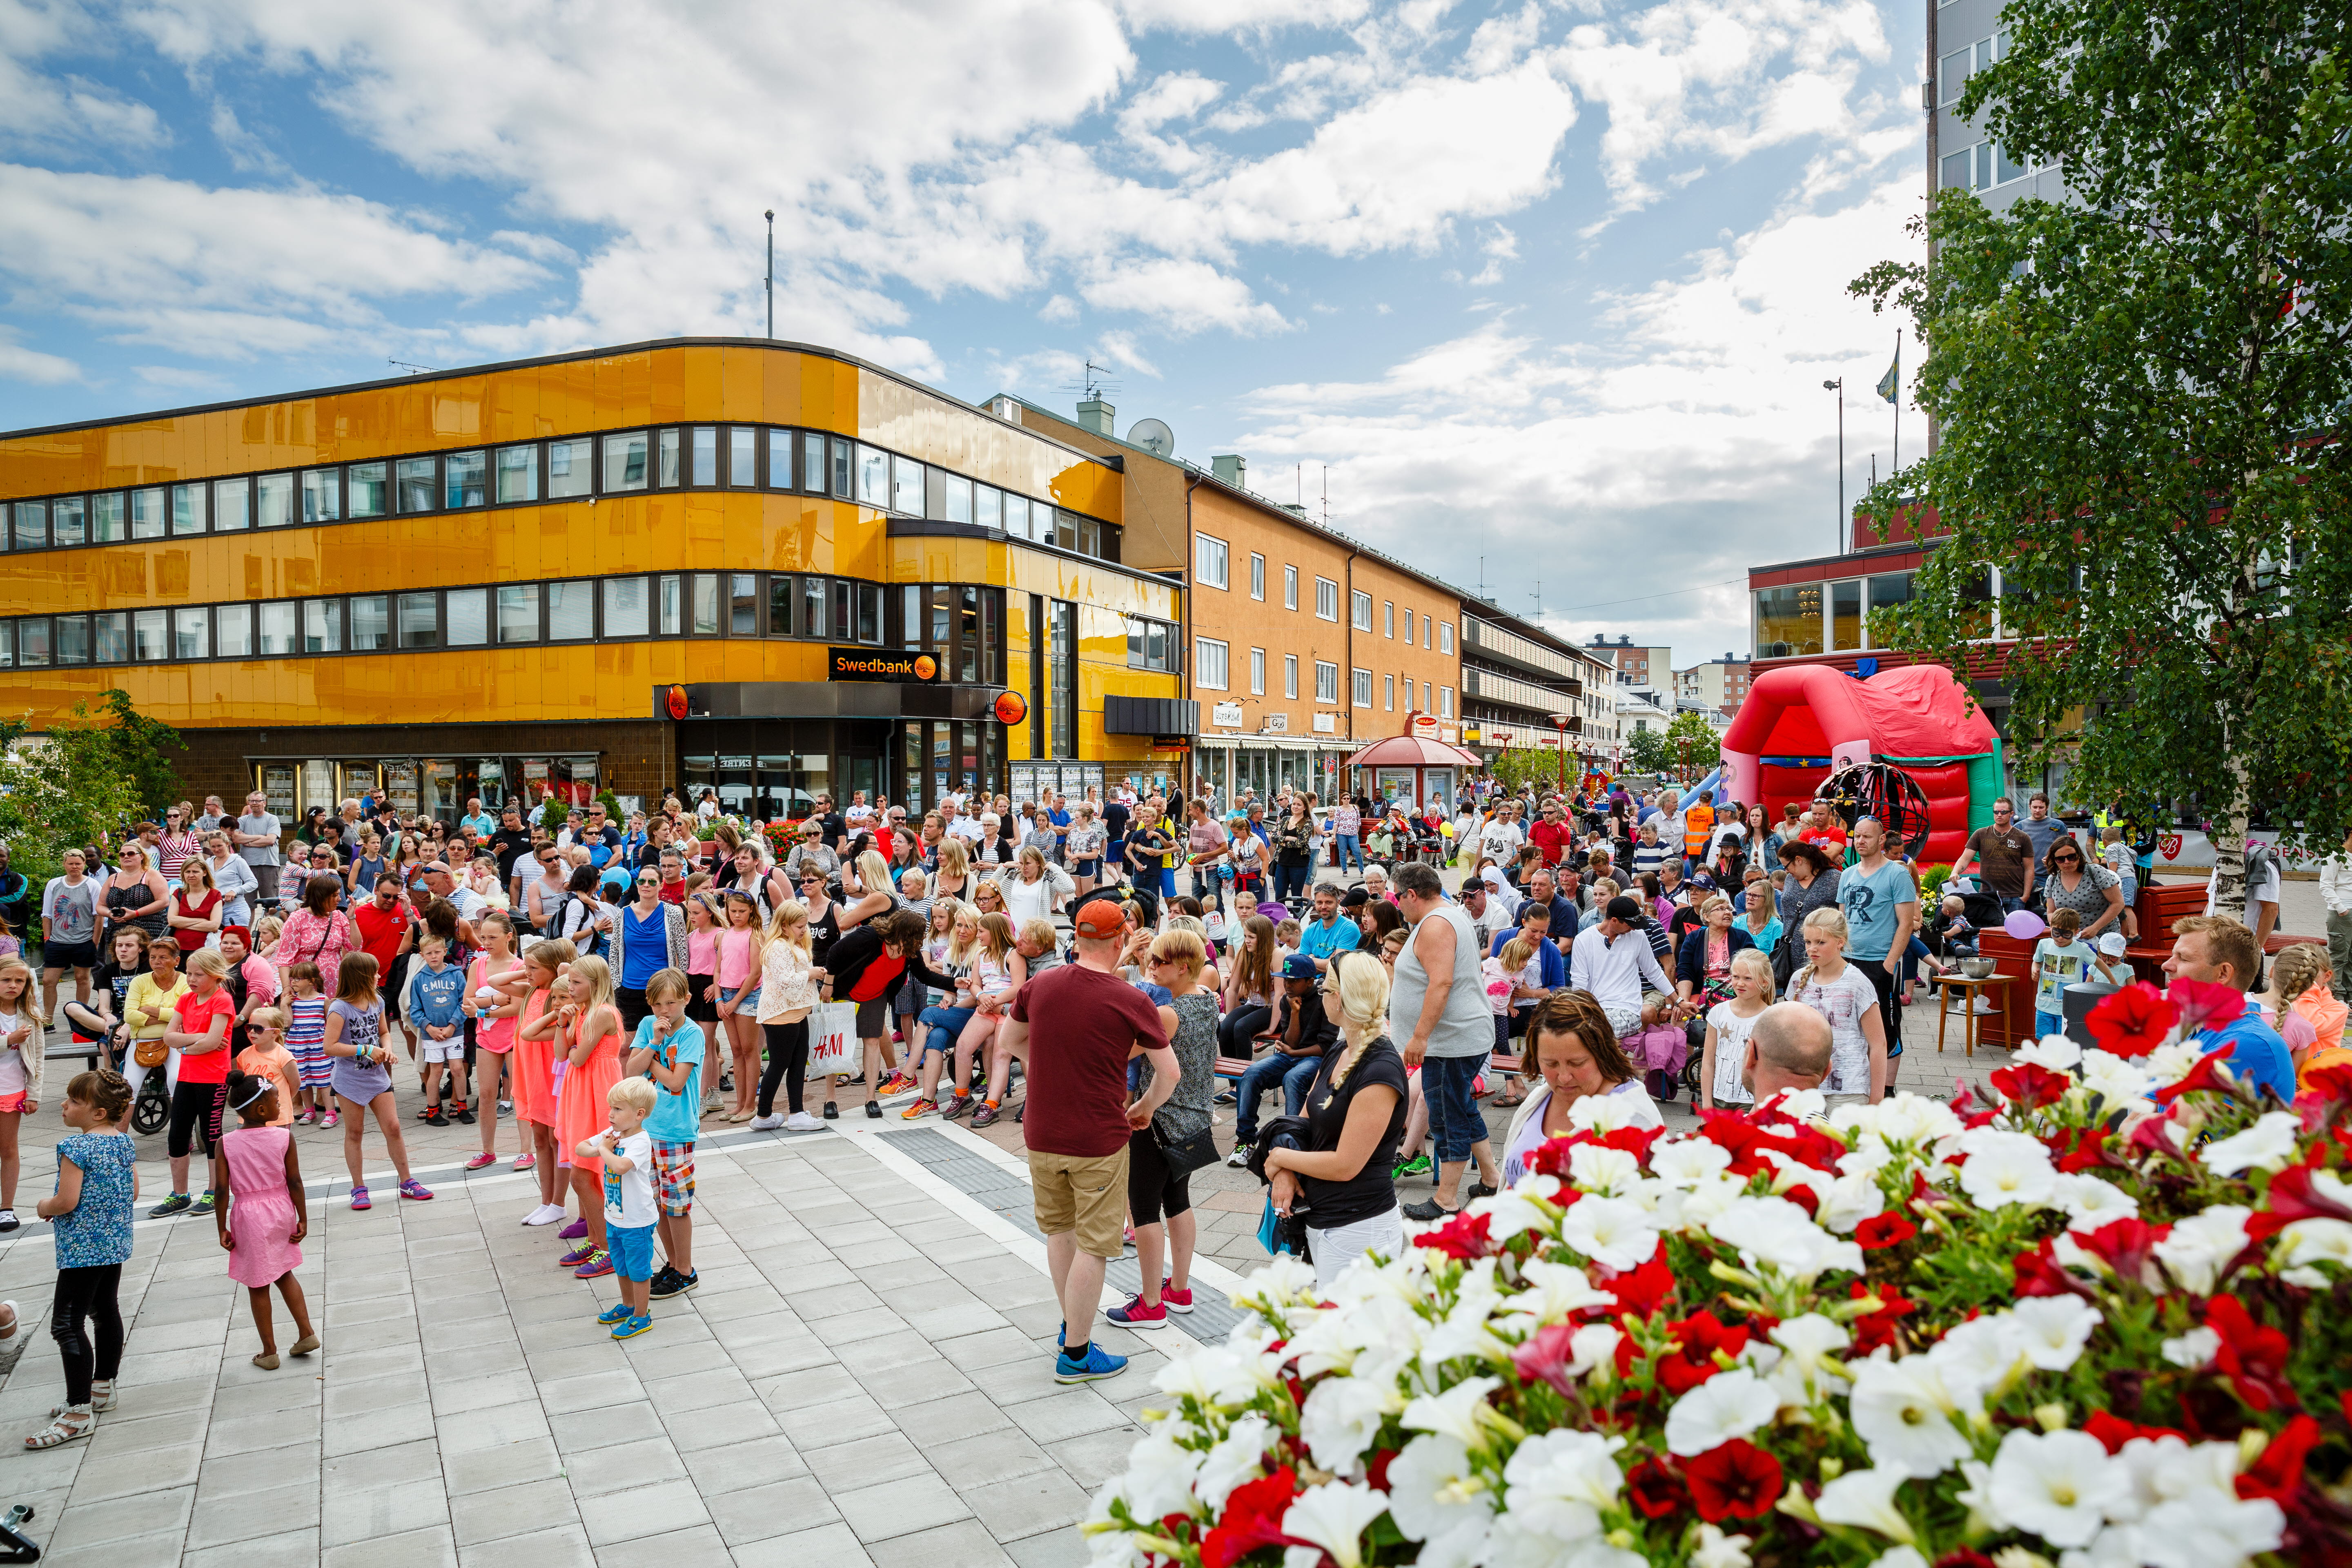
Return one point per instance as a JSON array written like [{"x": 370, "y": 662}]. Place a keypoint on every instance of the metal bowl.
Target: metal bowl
[{"x": 1979, "y": 968}]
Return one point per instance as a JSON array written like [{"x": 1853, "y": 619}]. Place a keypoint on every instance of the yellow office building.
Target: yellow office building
[{"x": 672, "y": 564}]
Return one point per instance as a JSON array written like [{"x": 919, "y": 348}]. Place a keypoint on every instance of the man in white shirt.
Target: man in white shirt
[
  {"x": 1500, "y": 839},
  {"x": 1612, "y": 958},
  {"x": 963, "y": 826}
]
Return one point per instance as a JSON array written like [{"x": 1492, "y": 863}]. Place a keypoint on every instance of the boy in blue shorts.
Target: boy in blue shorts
[
  {"x": 435, "y": 1006},
  {"x": 626, "y": 1154},
  {"x": 667, "y": 1056}
]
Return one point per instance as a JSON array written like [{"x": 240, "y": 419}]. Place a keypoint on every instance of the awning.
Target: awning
[{"x": 1411, "y": 751}]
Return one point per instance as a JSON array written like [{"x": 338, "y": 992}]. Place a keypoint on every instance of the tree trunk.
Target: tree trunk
[{"x": 2229, "y": 833}]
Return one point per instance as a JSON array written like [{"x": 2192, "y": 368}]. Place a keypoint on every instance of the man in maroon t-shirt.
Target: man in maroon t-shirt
[{"x": 1078, "y": 1118}]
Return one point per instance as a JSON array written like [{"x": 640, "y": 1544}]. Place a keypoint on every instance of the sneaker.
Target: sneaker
[
  {"x": 600, "y": 1264},
  {"x": 576, "y": 1256},
  {"x": 360, "y": 1200},
  {"x": 1138, "y": 1314},
  {"x": 802, "y": 1121},
  {"x": 766, "y": 1123},
  {"x": 618, "y": 1313},
  {"x": 178, "y": 1203},
  {"x": 1173, "y": 1300},
  {"x": 331, "y": 1120},
  {"x": 986, "y": 1115},
  {"x": 8, "y": 1220},
  {"x": 631, "y": 1328},
  {"x": 465, "y": 1115},
  {"x": 506, "y": 1108},
  {"x": 525, "y": 1161},
  {"x": 664, "y": 1283},
  {"x": 951, "y": 1111},
  {"x": 432, "y": 1118},
  {"x": 727, "y": 1083},
  {"x": 482, "y": 1161},
  {"x": 1227, "y": 1097},
  {"x": 1239, "y": 1159},
  {"x": 574, "y": 1231},
  {"x": 897, "y": 1083},
  {"x": 416, "y": 1192},
  {"x": 203, "y": 1204},
  {"x": 1416, "y": 1166},
  {"x": 873, "y": 1111},
  {"x": 917, "y": 1110},
  {"x": 1099, "y": 1363}
]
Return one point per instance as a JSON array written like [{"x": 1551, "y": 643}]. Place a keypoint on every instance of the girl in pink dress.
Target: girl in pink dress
[{"x": 256, "y": 1174}]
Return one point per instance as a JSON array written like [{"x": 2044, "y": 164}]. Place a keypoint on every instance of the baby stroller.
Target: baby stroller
[{"x": 153, "y": 1108}]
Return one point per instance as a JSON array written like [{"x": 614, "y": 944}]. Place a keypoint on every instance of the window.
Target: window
[
  {"x": 371, "y": 623},
  {"x": 273, "y": 497},
  {"x": 706, "y": 603},
  {"x": 1789, "y": 620},
  {"x": 666, "y": 607},
  {"x": 367, "y": 497},
  {"x": 1980, "y": 168},
  {"x": 1446, "y": 637},
  {"x": 278, "y": 628},
  {"x": 111, "y": 639},
  {"x": 743, "y": 604},
  {"x": 706, "y": 455},
  {"x": 187, "y": 511},
  {"x": 323, "y": 626},
  {"x": 419, "y": 621},
  {"x": 571, "y": 611},
  {"x": 1016, "y": 516},
  {"x": 1291, "y": 587},
  {"x": 1886, "y": 590},
  {"x": 465, "y": 617},
  {"x": 1845, "y": 614},
  {"x": 73, "y": 639},
  {"x": 625, "y": 604},
  {"x": 956, "y": 499},
  {"x": 869, "y": 620},
  {"x": 625, "y": 464},
  {"x": 413, "y": 484},
  {"x": 780, "y": 607},
  {"x": 518, "y": 473},
  {"x": 1952, "y": 72},
  {"x": 233, "y": 635},
  {"x": 1209, "y": 664},
  {"x": 1148, "y": 643},
  {"x": 1360, "y": 688},
  {"x": 1388, "y": 683},
  {"x": 1290, "y": 675},
  {"x": 519, "y": 613},
  {"x": 665, "y": 458},
  {"x": 873, "y": 477},
  {"x": 147, "y": 514},
  {"x": 65, "y": 520},
  {"x": 33, "y": 642},
  {"x": 780, "y": 466},
  {"x": 467, "y": 480},
  {"x": 987, "y": 506},
  {"x": 1388, "y": 617},
  {"x": 1359, "y": 611},
  {"x": 7, "y": 644},
  {"x": 812, "y": 464},
  {"x": 814, "y": 600},
  {"x": 742, "y": 458},
  {"x": 1327, "y": 599},
  {"x": 107, "y": 519},
  {"x": 1257, "y": 672},
  {"x": 841, "y": 466},
  {"x": 1257, "y": 576},
  {"x": 1208, "y": 560},
  {"x": 32, "y": 526},
  {"x": 1326, "y": 682},
  {"x": 570, "y": 469},
  {"x": 1445, "y": 702}
]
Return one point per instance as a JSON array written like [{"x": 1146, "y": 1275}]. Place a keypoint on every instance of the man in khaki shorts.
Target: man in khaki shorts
[{"x": 1090, "y": 1024}]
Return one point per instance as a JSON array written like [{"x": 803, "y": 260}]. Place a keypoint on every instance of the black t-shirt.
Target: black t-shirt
[
  {"x": 1373, "y": 1190},
  {"x": 112, "y": 977},
  {"x": 823, "y": 932},
  {"x": 509, "y": 844},
  {"x": 1148, "y": 847},
  {"x": 834, "y": 828},
  {"x": 1115, "y": 819}
]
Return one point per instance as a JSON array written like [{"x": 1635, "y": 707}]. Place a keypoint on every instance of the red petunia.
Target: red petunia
[
  {"x": 1962, "y": 1557},
  {"x": 1641, "y": 1292},
  {"x": 1376, "y": 1474},
  {"x": 1873, "y": 1329},
  {"x": 1253, "y": 1519},
  {"x": 2205, "y": 1077},
  {"x": 2293, "y": 1195},
  {"x": 2252, "y": 1355},
  {"x": 1733, "y": 1478},
  {"x": 2205, "y": 1004},
  {"x": 2123, "y": 1244},
  {"x": 2080, "y": 1149},
  {"x": 2134, "y": 1021},
  {"x": 2113, "y": 1431},
  {"x": 1973, "y": 1112},
  {"x": 1692, "y": 1362},
  {"x": 1546, "y": 1356},
  {"x": 2278, "y": 1474},
  {"x": 1463, "y": 1236},
  {"x": 1652, "y": 1487},
  {"x": 2327, "y": 1085},
  {"x": 2037, "y": 1273},
  {"x": 2030, "y": 1086},
  {"x": 1886, "y": 1229}
]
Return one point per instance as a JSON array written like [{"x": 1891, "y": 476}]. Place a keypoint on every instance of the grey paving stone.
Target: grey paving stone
[
  {"x": 1072, "y": 1414},
  {"x": 1063, "y": 1548},
  {"x": 223, "y": 1518},
  {"x": 533, "y": 1507},
  {"x": 577, "y": 1434},
  {"x": 868, "y": 1461},
  {"x": 724, "y": 1425},
  {"x": 622, "y": 1466},
  {"x": 778, "y": 1508},
  {"x": 366, "y": 1514},
  {"x": 507, "y": 1464},
  {"x": 417, "y": 1548},
  {"x": 971, "y": 1463},
  {"x": 825, "y": 1546},
  {"x": 734, "y": 1466},
  {"x": 564, "y": 1547},
  {"x": 900, "y": 1508},
  {"x": 286, "y": 1549},
  {"x": 640, "y": 1512},
  {"x": 1028, "y": 1504},
  {"x": 964, "y": 1544},
  {"x": 142, "y": 1513},
  {"x": 815, "y": 1427}
]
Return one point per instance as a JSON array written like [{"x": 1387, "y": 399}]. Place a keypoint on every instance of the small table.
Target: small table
[{"x": 1969, "y": 991}]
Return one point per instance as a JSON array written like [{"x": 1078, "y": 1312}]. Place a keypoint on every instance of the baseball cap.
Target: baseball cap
[
  {"x": 1099, "y": 919},
  {"x": 1298, "y": 966},
  {"x": 2113, "y": 944},
  {"x": 1623, "y": 908},
  {"x": 1354, "y": 899}
]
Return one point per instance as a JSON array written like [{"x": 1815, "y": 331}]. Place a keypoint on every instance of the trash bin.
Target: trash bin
[{"x": 2078, "y": 1001}]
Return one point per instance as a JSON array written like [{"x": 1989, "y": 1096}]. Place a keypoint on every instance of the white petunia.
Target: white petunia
[
  {"x": 1716, "y": 1550},
  {"x": 1342, "y": 1416},
  {"x": 2194, "y": 1350},
  {"x": 2201, "y": 1245},
  {"x": 2006, "y": 1168},
  {"x": 2091, "y": 1203},
  {"x": 1558, "y": 1482},
  {"x": 1865, "y": 1500},
  {"x": 1555, "y": 1290},
  {"x": 1610, "y": 1231},
  {"x": 1914, "y": 1119},
  {"x": 1977, "y": 1354},
  {"x": 2117, "y": 1080},
  {"x": 1217, "y": 1374},
  {"x": 2309, "y": 1241},
  {"x": 2166, "y": 1470},
  {"x": 1686, "y": 1162},
  {"x": 1976, "y": 1497},
  {"x": 1777, "y": 1231},
  {"x": 1899, "y": 1557},
  {"x": 1288, "y": 1280},
  {"x": 2212, "y": 1532},
  {"x": 2170, "y": 1064},
  {"x": 1158, "y": 1478},
  {"x": 1800, "y": 1104},
  {"x": 1453, "y": 1413},
  {"x": 1239, "y": 1456},
  {"x": 2052, "y": 1330},
  {"x": 1809, "y": 1340},
  {"x": 1729, "y": 1405},
  {"x": 1434, "y": 1488},
  {"x": 1597, "y": 1168},
  {"x": 2056, "y": 1052},
  {"x": 2058, "y": 1484},
  {"x": 1515, "y": 1210},
  {"x": 1905, "y": 1411},
  {"x": 1849, "y": 1200},
  {"x": 1334, "y": 1516},
  {"x": 1710, "y": 1200},
  {"x": 2268, "y": 1145},
  {"x": 1463, "y": 1546},
  {"x": 1603, "y": 1113}
]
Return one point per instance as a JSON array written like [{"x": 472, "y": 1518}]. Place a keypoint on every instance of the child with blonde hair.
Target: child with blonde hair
[
  {"x": 588, "y": 1030},
  {"x": 788, "y": 994},
  {"x": 1729, "y": 1024},
  {"x": 535, "y": 1072},
  {"x": 265, "y": 1056},
  {"x": 998, "y": 973},
  {"x": 22, "y": 1031},
  {"x": 620, "y": 1157}
]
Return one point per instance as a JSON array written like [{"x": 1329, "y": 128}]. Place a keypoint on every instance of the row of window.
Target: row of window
[
  {"x": 575, "y": 467},
  {"x": 1212, "y": 564},
  {"x": 963, "y": 624},
  {"x": 1211, "y": 673},
  {"x": 1953, "y": 70},
  {"x": 1821, "y": 617},
  {"x": 1980, "y": 168}
]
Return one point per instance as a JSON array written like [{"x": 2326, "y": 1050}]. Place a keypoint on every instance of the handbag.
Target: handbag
[
  {"x": 1185, "y": 1155},
  {"x": 832, "y": 1037},
  {"x": 149, "y": 1053}
]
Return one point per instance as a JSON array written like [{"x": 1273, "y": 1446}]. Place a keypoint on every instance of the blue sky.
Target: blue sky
[{"x": 1549, "y": 284}]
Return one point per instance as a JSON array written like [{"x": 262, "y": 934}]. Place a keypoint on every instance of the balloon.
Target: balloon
[{"x": 2025, "y": 925}]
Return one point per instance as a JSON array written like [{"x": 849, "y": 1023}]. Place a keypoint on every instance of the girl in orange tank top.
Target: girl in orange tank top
[{"x": 534, "y": 1094}]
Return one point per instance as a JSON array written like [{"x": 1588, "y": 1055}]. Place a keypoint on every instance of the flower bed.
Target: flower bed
[{"x": 2105, "y": 1321}]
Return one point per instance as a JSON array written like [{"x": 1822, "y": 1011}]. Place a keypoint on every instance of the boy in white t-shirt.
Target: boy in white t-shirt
[
  {"x": 2060, "y": 961},
  {"x": 626, "y": 1153}
]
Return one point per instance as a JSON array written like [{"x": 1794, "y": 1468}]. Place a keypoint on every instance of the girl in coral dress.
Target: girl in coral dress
[
  {"x": 534, "y": 1088},
  {"x": 589, "y": 1028}
]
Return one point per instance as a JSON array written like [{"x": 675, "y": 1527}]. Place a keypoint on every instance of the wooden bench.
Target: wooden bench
[{"x": 2158, "y": 907}]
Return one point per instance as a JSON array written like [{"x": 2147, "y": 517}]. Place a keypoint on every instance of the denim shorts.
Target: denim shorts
[
  {"x": 632, "y": 1247},
  {"x": 1447, "y": 1085},
  {"x": 750, "y": 1004}
]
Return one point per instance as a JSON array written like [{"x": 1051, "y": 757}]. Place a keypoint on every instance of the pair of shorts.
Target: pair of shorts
[
  {"x": 632, "y": 1247},
  {"x": 1449, "y": 1088},
  {"x": 12, "y": 1104},
  {"x": 1087, "y": 869},
  {"x": 697, "y": 1007},
  {"x": 1083, "y": 1196},
  {"x": 674, "y": 1177},
  {"x": 1153, "y": 1191},
  {"x": 746, "y": 998},
  {"x": 872, "y": 1018},
  {"x": 452, "y": 1049},
  {"x": 69, "y": 955}
]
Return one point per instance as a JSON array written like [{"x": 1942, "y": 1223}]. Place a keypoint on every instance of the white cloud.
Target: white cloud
[
  {"x": 1259, "y": 16},
  {"x": 18, "y": 363},
  {"x": 68, "y": 112},
  {"x": 1180, "y": 296}
]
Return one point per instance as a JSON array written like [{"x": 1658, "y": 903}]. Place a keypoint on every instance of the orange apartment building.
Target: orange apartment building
[{"x": 1302, "y": 644}]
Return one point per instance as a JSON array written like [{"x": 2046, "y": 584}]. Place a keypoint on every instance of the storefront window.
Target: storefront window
[
  {"x": 1788, "y": 621},
  {"x": 1845, "y": 614}
]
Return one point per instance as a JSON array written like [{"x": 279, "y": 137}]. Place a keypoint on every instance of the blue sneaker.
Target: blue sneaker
[
  {"x": 1099, "y": 1363},
  {"x": 618, "y": 1313},
  {"x": 630, "y": 1328}
]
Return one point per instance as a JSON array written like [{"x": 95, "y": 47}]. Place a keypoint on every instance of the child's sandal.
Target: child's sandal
[
  {"x": 64, "y": 1428},
  {"x": 305, "y": 1345},
  {"x": 267, "y": 1363}
]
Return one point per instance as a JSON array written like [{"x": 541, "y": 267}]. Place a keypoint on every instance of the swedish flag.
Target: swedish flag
[{"x": 1890, "y": 385}]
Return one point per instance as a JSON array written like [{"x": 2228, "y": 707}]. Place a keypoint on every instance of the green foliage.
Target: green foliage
[
  {"x": 612, "y": 805},
  {"x": 2140, "y": 400},
  {"x": 1516, "y": 767},
  {"x": 553, "y": 814},
  {"x": 139, "y": 744},
  {"x": 1646, "y": 752},
  {"x": 63, "y": 789},
  {"x": 1694, "y": 744}
]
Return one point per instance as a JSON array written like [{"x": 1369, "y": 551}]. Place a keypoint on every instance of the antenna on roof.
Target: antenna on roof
[
  {"x": 1094, "y": 385},
  {"x": 1538, "y": 598},
  {"x": 412, "y": 369}
]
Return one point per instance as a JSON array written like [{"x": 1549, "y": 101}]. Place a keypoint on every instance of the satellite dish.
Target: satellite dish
[{"x": 1153, "y": 436}]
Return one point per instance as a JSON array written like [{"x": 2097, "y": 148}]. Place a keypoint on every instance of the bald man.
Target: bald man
[{"x": 1788, "y": 1049}]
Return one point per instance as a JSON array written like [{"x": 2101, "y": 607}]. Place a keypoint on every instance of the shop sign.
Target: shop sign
[
  {"x": 1226, "y": 715},
  {"x": 897, "y": 668},
  {"x": 1277, "y": 723},
  {"x": 1449, "y": 735},
  {"x": 1498, "y": 737},
  {"x": 1011, "y": 708},
  {"x": 1327, "y": 724},
  {"x": 1423, "y": 726}
]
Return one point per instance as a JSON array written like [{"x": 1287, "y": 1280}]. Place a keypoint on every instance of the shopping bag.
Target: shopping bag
[{"x": 833, "y": 1046}]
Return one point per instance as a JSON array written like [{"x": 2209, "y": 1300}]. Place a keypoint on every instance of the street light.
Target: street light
[{"x": 1837, "y": 385}]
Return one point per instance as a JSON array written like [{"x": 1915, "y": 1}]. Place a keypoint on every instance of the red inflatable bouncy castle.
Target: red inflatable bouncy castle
[{"x": 1802, "y": 721}]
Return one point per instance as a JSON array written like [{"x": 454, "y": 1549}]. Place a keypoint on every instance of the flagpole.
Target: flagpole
[{"x": 1898, "y": 401}]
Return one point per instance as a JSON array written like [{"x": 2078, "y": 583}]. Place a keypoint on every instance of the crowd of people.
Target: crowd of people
[{"x": 607, "y": 986}]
